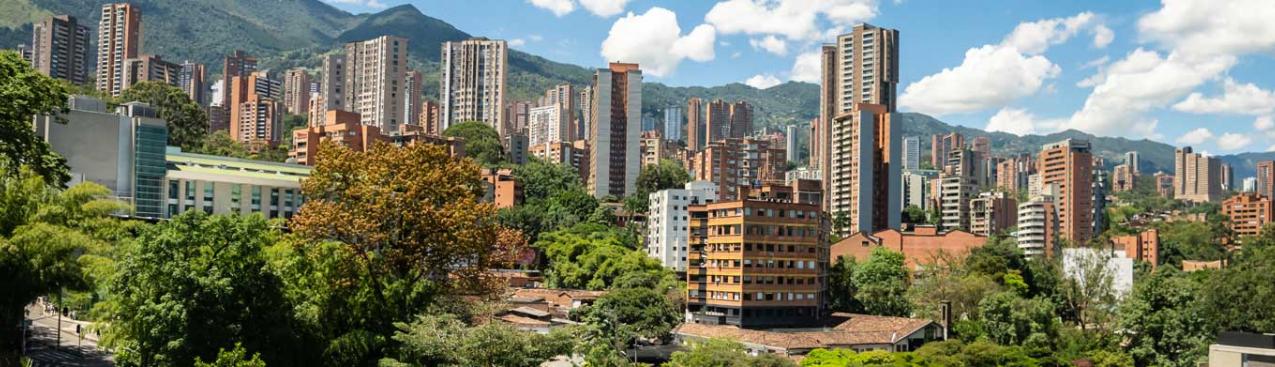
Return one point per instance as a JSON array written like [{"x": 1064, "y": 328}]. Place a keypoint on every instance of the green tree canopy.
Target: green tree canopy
[
  {"x": 187, "y": 122},
  {"x": 881, "y": 283},
  {"x": 592, "y": 256},
  {"x": 722, "y": 353},
  {"x": 482, "y": 143},
  {"x": 27, "y": 93},
  {"x": 444, "y": 340},
  {"x": 667, "y": 174}
]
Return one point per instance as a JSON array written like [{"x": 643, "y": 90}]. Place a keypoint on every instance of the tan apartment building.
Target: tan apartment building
[
  {"x": 236, "y": 64},
  {"x": 150, "y": 68},
  {"x": 1197, "y": 177},
  {"x": 695, "y": 130},
  {"x": 574, "y": 154},
  {"x": 375, "y": 81},
  {"x": 1012, "y": 173},
  {"x": 413, "y": 92},
  {"x": 1068, "y": 165},
  {"x": 1144, "y": 246},
  {"x": 861, "y": 67},
  {"x": 756, "y": 261},
  {"x": 864, "y": 179},
  {"x": 1164, "y": 184},
  {"x": 993, "y": 212},
  {"x": 941, "y": 146},
  {"x": 256, "y": 114},
  {"x": 502, "y": 189},
  {"x": 342, "y": 128},
  {"x": 296, "y": 91},
  {"x": 957, "y": 187},
  {"x": 472, "y": 82},
  {"x": 60, "y": 48},
  {"x": 614, "y": 157},
  {"x": 921, "y": 246},
  {"x": 120, "y": 32},
  {"x": 1122, "y": 178},
  {"x": 1249, "y": 212},
  {"x": 733, "y": 163},
  {"x": 1266, "y": 178}
]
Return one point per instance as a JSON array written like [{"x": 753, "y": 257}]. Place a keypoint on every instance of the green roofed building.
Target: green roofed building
[{"x": 222, "y": 185}]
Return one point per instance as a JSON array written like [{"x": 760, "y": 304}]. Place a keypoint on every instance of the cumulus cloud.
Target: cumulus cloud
[
  {"x": 1264, "y": 123},
  {"x": 1233, "y": 141},
  {"x": 793, "y": 19},
  {"x": 517, "y": 42},
  {"x": 806, "y": 68},
  {"x": 771, "y": 44},
  {"x": 993, "y": 75},
  {"x": 557, "y": 7},
  {"x": 1102, "y": 36},
  {"x": 1209, "y": 27},
  {"x": 762, "y": 81},
  {"x": 1020, "y": 122},
  {"x": 1236, "y": 98},
  {"x": 604, "y": 8},
  {"x": 1195, "y": 137},
  {"x": 654, "y": 40}
]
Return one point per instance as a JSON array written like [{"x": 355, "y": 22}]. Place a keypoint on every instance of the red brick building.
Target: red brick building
[
  {"x": 921, "y": 246},
  {"x": 1249, "y": 212}
]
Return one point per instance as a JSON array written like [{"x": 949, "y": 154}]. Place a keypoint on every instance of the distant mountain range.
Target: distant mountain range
[{"x": 295, "y": 33}]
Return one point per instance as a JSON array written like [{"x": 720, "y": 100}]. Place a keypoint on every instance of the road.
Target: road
[{"x": 73, "y": 351}]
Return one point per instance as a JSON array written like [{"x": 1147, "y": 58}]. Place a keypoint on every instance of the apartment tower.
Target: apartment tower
[
  {"x": 1197, "y": 177},
  {"x": 1068, "y": 165},
  {"x": 617, "y": 118},
  {"x": 60, "y": 48},
  {"x": 673, "y": 123},
  {"x": 332, "y": 83},
  {"x": 296, "y": 91},
  {"x": 256, "y": 113},
  {"x": 864, "y": 179},
  {"x": 120, "y": 38},
  {"x": 1266, "y": 178},
  {"x": 236, "y": 64},
  {"x": 695, "y": 130},
  {"x": 191, "y": 80},
  {"x": 375, "y": 79},
  {"x": 472, "y": 84}
]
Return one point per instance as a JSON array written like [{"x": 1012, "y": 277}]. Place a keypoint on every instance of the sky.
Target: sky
[{"x": 1183, "y": 72}]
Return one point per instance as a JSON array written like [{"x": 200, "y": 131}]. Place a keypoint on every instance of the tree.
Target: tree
[
  {"x": 946, "y": 279},
  {"x": 481, "y": 142},
  {"x": 1239, "y": 296},
  {"x": 721, "y": 353},
  {"x": 1161, "y": 322},
  {"x": 28, "y": 93},
  {"x": 187, "y": 122},
  {"x": 237, "y": 357},
  {"x": 1009, "y": 319},
  {"x": 1182, "y": 240},
  {"x": 1090, "y": 294},
  {"x": 444, "y": 340},
  {"x": 592, "y": 256},
  {"x": 914, "y": 215},
  {"x": 667, "y": 174},
  {"x": 194, "y": 285},
  {"x": 221, "y": 144},
  {"x": 633, "y": 314},
  {"x": 841, "y": 286},
  {"x": 881, "y": 283},
  {"x": 541, "y": 179}
]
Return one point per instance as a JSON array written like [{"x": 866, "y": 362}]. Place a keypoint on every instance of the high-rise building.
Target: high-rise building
[
  {"x": 911, "y": 153},
  {"x": 430, "y": 121},
  {"x": 868, "y": 67},
  {"x": 60, "y": 48},
  {"x": 1122, "y": 178},
  {"x": 517, "y": 116},
  {"x": 375, "y": 78},
  {"x": 943, "y": 145},
  {"x": 1039, "y": 225},
  {"x": 296, "y": 91},
  {"x": 696, "y": 132},
  {"x": 236, "y": 64},
  {"x": 1132, "y": 159},
  {"x": 1197, "y": 177},
  {"x": 472, "y": 83},
  {"x": 791, "y": 134},
  {"x": 120, "y": 38},
  {"x": 863, "y": 181},
  {"x": 545, "y": 125},
  {"x": 756, "y": 261},
  {"x": 413, "y": 92},
  {"x": 1164, "y": 184},
  {"x": 673, "y": 123},
  {"x": 992, "y": 212},
  {"x": 1248, "y": 213},
  {"x": 1228, "y": 178},
  {"x": 613, "y": 135},
  {"x": 332, "y": 81},
  {"x": 735, "y": 162},
  {"x": 1249, "y": 184},
  {"x": 1068, "y": 165},
  {"x": 716, "y": 121},
  {"x": 150, "y": 68},
  {"x": 958, "y": 186},
  {"x": 516, "y": 147},
  {"x": 565, "y": 98},
  {"x": 668, "y": 222},
  {"x": 256, "y": 114},
  {"x": 1012, "y": 173},
  {"x": 191, "y": 80},
  {"x": 586, "y": 112},
  {"x": 982, "y": 147},
  {"x": 829, "y": 107},
  {"x": 740, "y": 120},
  {"x": 916, "y": 189},
  {"x": 654, "y": 148},
  {"x": 121, "y": 150},
  {"x": 1265, "y": 175}
]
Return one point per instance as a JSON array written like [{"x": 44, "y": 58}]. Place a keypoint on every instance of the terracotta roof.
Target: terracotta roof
[
  {"x": 528, "y": 311},
  {"x": 544, "y": 293},
  {"x": 854, "y": 331},
  {"x": 522, "y": 321},
  {"x": 872, "y": 323}
]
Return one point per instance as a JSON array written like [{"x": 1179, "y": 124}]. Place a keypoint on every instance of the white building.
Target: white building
[
  {"x": 668, "y": 222},
  {"x": 544, "y": 125},
  {"x": 375, "y": 80},
  {"x": 1038, "y": 224},
  {"x": 916, "y": 189},
  {"x": 1250, "y": 184}
]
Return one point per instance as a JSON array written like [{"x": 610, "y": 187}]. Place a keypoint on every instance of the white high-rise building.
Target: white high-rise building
[
  {"x": 544, "y": 125},
  {"x": 472, "y": 83},
  {"x": 375, "y": 79},
  {"x": 911, "y": 153},
  {"x": 916, "y": 189},
  {"x": 1250, "y": 184},
  {"x": 1038, "y": 224},
  {"x": 669, "y": 220}
]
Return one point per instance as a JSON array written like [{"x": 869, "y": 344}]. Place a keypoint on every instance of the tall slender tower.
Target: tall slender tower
[
  {"x": 695, "y": 132},
  {"x": 865, "y": 183},
  {"x": 60, "y": 48},
  {"x": 236, "y": 64},
  {"x": 191, "y": 80},
  {"x": 472, "y": 84},
  {"x": 120, "y": 38},
  {"x": 375, "y": 73},
  {"x": 716, "y": 121},
  {"x": 617, "y": 117},
  {"x": 1068, "y": 166}
]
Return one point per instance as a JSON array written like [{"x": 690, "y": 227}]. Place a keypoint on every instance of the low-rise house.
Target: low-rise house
[{"x": 850, "y": 331}]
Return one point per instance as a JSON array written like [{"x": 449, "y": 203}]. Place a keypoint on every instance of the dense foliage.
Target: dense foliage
[
  {"x": 27, "y": 93},
  {"x": 481, "y": 142},
  {"x": 187, "y": 121},
  {"x": 667, "y": 174}
]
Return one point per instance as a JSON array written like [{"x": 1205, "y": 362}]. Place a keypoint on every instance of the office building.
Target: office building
[
  {"x": 221, "y": 185},
  {"x": 756, "y": 261},
  {"x": 120, "y": 38},
  {"x": 613, "y": 135},
  {"x": 585, "y": 111},
  {"x": 1248, "y": 213},
  {"x": 1039, "y": 225},
  {"x": 1122, "y": 178},
  {"x": 1012, "y": 173},
  {"x": 735, "y": 162},
  {"x": 296, "y": 91},
  {"x": 122, "y": 150},
  {"x": 332, "y": 82},
  {"x": 1133, "y": 159},
  {"x": 472, "y": 83},
  {"x": 341, "y": 127},
  {"x": 696, "y": 132},
  {"x": 673, "y": 123},
  {"x": 920, "y": 247},
  {"x": 191, "y": 80},
  {"x": 943, "y": 145},
  {"x": 1197, "y": 177},
  {"x": 1265, "y": 175},
  {"x": 863, "y": 181},
  {"x": 256, "y": 113},
  {"x": 375, "y": 81},
  {"x": 60, "y": 48},
  {"x": 150, "y": 68},
  {"x": 911, "y": 153},
  {"x": 668, "y": 230},
  {"x": 992, "y": 212},
  {"x": 1069, "y": 165}
]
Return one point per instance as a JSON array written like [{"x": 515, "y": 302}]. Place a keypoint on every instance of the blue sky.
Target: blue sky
[{"x": 1185, "y": 72}]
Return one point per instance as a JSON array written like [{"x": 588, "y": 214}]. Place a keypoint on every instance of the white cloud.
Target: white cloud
[
  {"x": 1020, "y": 122},
  {"x": 793, "y": 19},
  {"x": 535, "y": 38},
  {"x": 375, "y": 4},
  {"x": 1098, "y": 62},
  {"x": 654, "y": 41},
  {"x": 762, "y": 81},
  {"x": 1210, "y": 27},
  {"x": 1233, "y": 141},
  {"x": 1271, "y": 149},
  {"x": 991, "y": 76},
  {"x": 1195, "y": 137},
  {"x": 1264, "y": 123},
  {"x": 1236, "y": 98},
  {"x": 771, "y": 44},
  {"x": 604, "y": 8},
  {"x": 806, "y": 67},
  {"x": 1102, "y": 36},
  {"x": 558, "y": 7}
]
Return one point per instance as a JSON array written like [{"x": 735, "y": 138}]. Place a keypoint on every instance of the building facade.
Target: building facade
[
  {"x": 731, "y": 163},
  {"x": 673, "y": 123},
  {"x": 1012, "y": 173},
  {"x": 341, "y": 127},
  {"x": 150, "y": 68},
  {"x": 332, "y": 82},
  {"x": 191, "y": 80},
  {"x": 911, "y": 153},
  {"x": 863, "y": 181},
  {"x": 1197, "y": 177},
  {"x": 1122, "y": 178},
  {"x": 472, "y": 83},
  {"x": 922, "y": 246},
  {"x": 1068, "y": 165},
  {"x": 376, "y": 81},
  {"x": 120, "y": 33},
  {"x": 695, "y": 130},
  {"x": 613, "y": 137},
  {"x": 256, "y": 114},
  {"x": 221, "y": 185},
  {"x": 296, "y": 91},
  {"x": 60, "y": 48},
  {"x": 1039, "y": 225},
  {"x": 668, "y": 224},
  {"x": 1248, "y": 213},
  {"x": 1266, "y": 178},
  {"x": 993, "y": 212}
]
